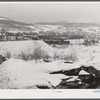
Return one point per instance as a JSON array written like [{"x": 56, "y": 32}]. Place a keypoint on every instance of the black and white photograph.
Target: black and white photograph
[{"x": 49, "y": 45}]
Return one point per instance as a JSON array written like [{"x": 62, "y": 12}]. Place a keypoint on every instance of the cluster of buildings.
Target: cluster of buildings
[
  {"x": 92, "y": 39},
  {"x": 50, "y": 39},
  {"x": 7, "y": 36},
  {"x": 61, "y": 40}
]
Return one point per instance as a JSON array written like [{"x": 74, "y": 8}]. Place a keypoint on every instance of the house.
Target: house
[
  {"x": 9, "y": 36},
  {"x": 44, "y": 37},
  {"x": 59, "y": 42},
  {"x": 1, "y": 37},
  {"x": 65, "y": 42},
  {"x": 75, "y": 41},
  {"x": 90, "y": 41},
  {"x": 19, "y": 36},
  {"x": 35, "y": 37},
  {"x": 98, "y": 35},
  {"x": 27, "y": 36}
]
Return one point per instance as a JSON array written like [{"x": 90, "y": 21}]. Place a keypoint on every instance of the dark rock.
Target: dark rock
[
  {"x": 2, "y": 59},
  {"x": 45, "y": 60},
  {"x": 72, "y": 72},
  {"x": 95, "y": 83},
  {"x": 75, "y": 72},
  {"x": 68, "y": 62},
  {"x": 88, "y": 79},
  {"x": 85, "y": 86},
  {"x": 93, "y": 72},
  {"x": 42, "y": 87},
  {"x": 71, "y": 84},
  {"x": 57, "y": 72}
]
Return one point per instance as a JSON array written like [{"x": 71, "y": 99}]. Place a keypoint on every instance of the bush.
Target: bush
[
  {"x": 37, "y": 54},
  {"x": 24, "y": 57},
  {"x": 56, "y": 56},
  {"x": 72, "y": 56},
  {"x": 46, "y": 57},
  {"x": 8, "y": 55}
]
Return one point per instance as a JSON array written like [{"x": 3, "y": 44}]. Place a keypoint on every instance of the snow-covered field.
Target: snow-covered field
[
  {"x": 17, "y": 73},
  {"x": 81, "y": 52}
]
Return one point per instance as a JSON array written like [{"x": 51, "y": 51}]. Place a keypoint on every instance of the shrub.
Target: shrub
[
  {"x": 46, "y": 57},
  {"x": 72, "y": 56},
  {"x": 37, "y": 54},
  {"x": 56, "y": 56},
  {"x": 24, "y": 56},
  {"x": 8, "y": 55}
]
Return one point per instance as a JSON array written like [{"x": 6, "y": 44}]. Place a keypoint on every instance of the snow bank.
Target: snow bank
[
  {"x": 23, "y": 74},
  {"x": 16, "y": 73},
  {"x": 15, "y": 48}
]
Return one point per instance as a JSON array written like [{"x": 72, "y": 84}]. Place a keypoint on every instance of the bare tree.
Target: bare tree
[{"x": 38, "y": 54}]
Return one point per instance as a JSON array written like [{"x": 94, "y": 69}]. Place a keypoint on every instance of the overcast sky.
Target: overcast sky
[{"x": 49, "y": 12}]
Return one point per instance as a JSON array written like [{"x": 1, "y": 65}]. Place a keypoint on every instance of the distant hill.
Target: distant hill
[
  {"x": 46, "y": 28},
  {"x": 68, "y": 24},
  {"x": 13, "y": 24}
]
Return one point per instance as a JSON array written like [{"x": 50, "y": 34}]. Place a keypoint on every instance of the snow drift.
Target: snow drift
[
  {"x": 18, "y": 74},
  {"x": 16, "y": 48}
]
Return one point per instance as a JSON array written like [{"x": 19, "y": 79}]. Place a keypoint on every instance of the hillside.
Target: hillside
[
  {"x": 11, "y": 24},
  {"x": 68, "y": 24},
  {"x": 71, "y": 30},
  {"x": 54, "y": 29}
]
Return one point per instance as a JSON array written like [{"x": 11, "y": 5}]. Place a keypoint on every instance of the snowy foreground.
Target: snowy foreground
[
  {"x": 58, "y": 73},
  {"x": 18, "y": 74}
]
